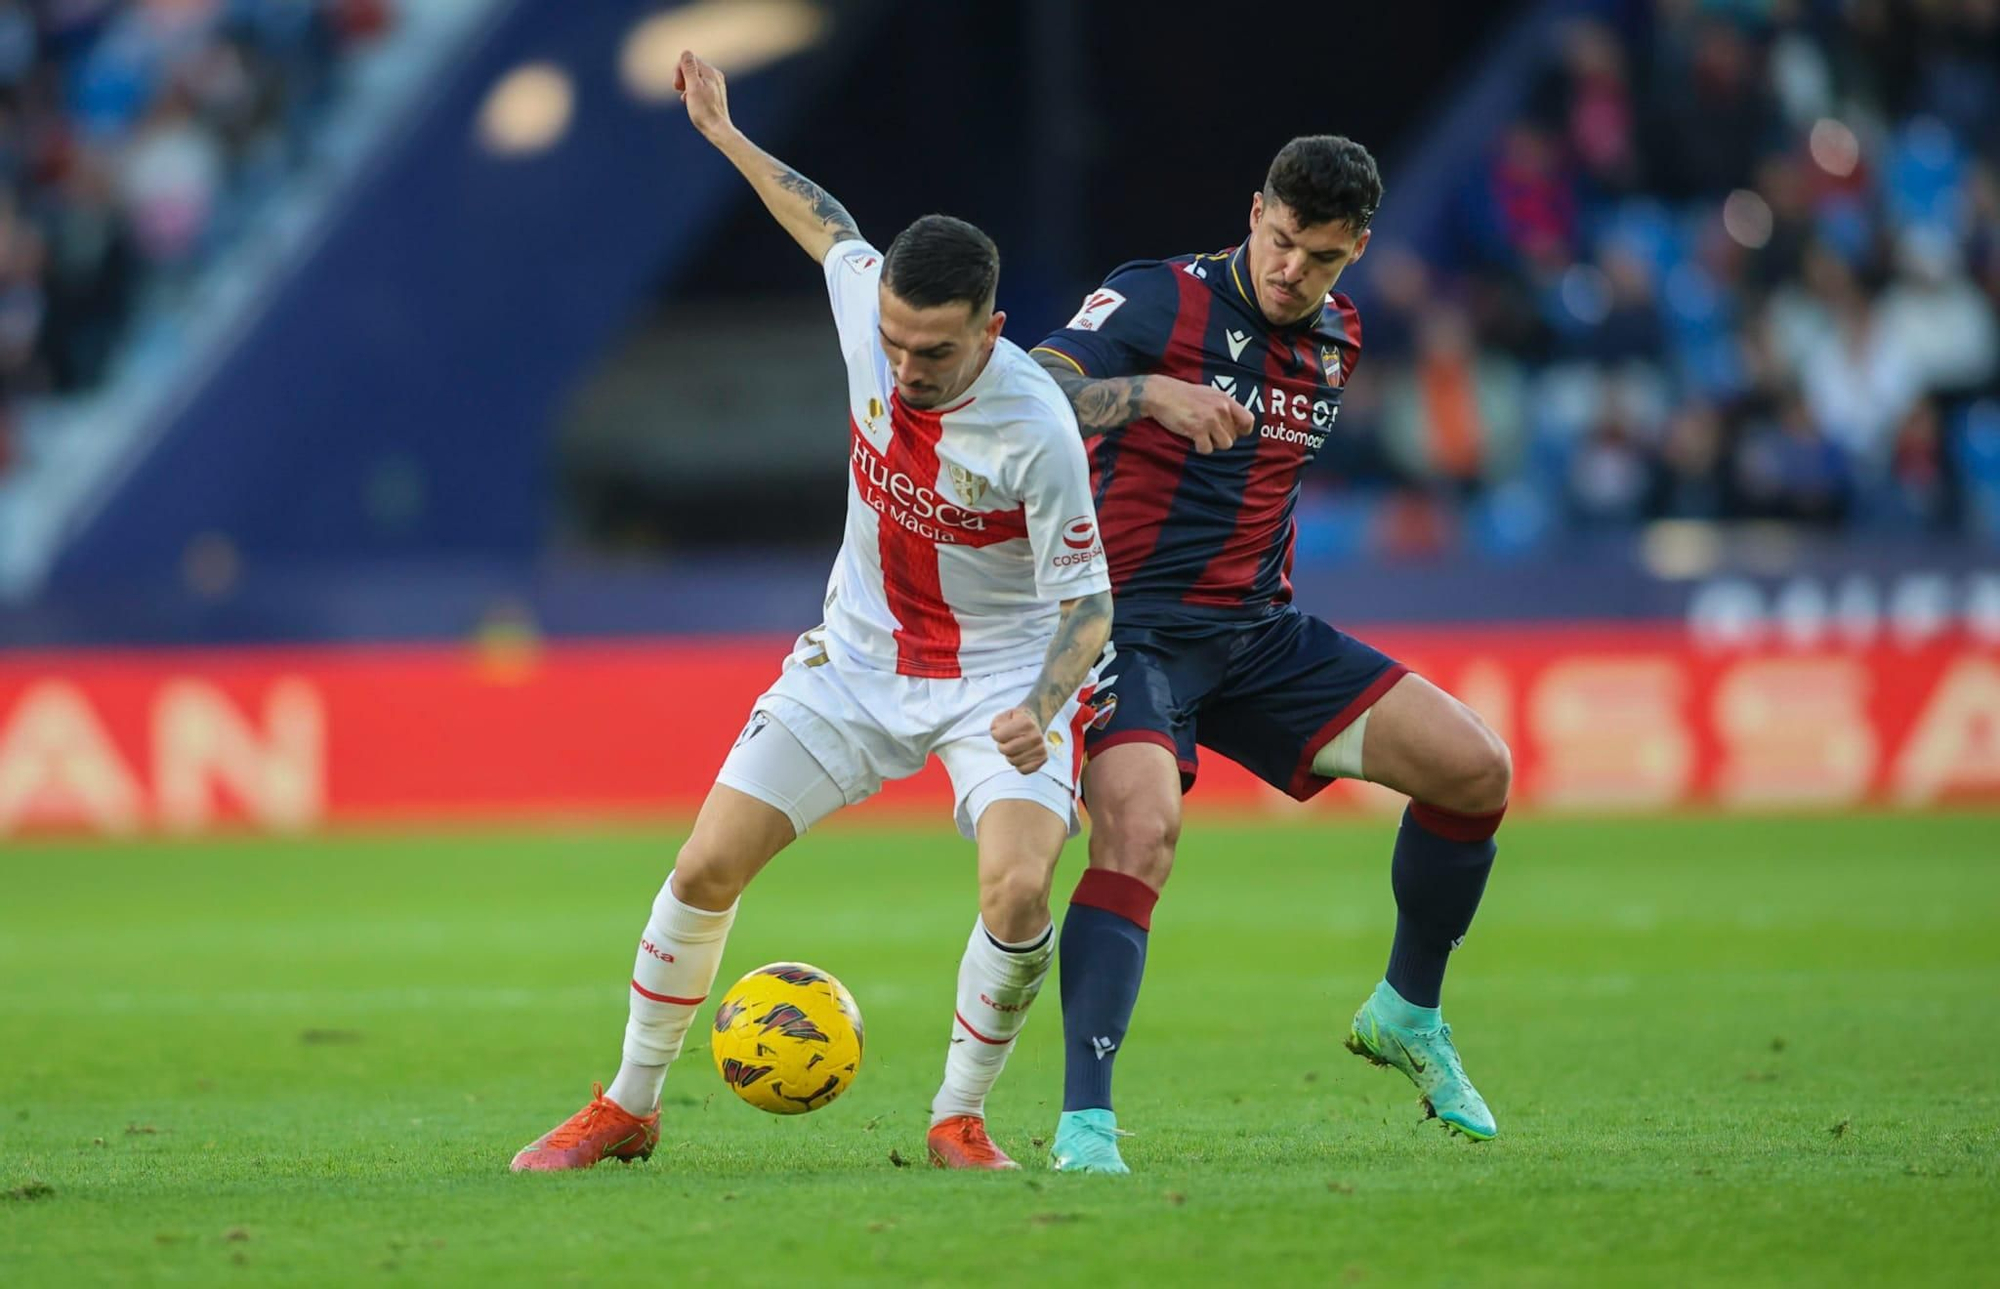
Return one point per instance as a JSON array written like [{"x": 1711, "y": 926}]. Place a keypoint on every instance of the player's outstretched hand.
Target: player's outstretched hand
[
  {"x": 1020, "y": 739},
  {"x": 705, "y": 92},
  {"x": 1201, "y": 414}
]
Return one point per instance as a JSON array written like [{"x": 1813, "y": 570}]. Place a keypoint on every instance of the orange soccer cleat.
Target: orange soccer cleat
[
  {"x": 601, "y": 1130},
  {"x": 961, "y": 1142}
]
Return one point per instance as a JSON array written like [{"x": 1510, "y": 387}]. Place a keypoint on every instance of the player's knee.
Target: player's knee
[
  {"x": 1486, "y": 776},
  {"x": 1015, "y": 902},
  {"x": 705, "y": 878},
  {"x": 1137, "y": 843}
]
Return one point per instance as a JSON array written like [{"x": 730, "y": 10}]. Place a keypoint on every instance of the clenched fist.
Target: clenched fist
[
  {"x": 1021, "y": 740},
  {"x": 705, "y": 93}
]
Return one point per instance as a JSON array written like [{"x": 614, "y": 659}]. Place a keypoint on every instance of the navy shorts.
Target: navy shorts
[{"x": 1267, "y": 694}]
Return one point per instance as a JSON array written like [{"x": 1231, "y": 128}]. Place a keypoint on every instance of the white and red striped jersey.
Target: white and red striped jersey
[{"x": 968, "y": 524}]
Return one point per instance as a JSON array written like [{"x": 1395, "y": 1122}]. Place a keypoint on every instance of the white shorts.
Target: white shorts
[{"x": 860, "y": 727}]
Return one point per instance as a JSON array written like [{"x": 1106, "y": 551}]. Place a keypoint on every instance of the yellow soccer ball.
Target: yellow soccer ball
[{"x": 787, "y": 1038}]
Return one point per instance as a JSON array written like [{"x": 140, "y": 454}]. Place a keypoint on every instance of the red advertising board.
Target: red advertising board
[{"x": 1624, "y": 718}]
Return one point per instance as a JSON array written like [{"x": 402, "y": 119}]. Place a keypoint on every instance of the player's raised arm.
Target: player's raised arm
[
  {"x": 815, "y": 220},
  {"x": 1208, "y": 418},
  {"x": 1021, "y": 732}
]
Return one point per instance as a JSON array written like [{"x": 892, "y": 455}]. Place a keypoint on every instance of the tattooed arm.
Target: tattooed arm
[
  {"x": 1100, "y": 404},
  {"x": 1206, "y": 417},
  {"x": 802, "y": 208},
  {"x": 1021, "y": 732}
]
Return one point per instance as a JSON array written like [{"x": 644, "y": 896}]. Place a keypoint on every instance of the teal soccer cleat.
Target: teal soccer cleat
[
  {"x": 1087, "y": 1142},
  {"x": 1426, "y": 1054}
]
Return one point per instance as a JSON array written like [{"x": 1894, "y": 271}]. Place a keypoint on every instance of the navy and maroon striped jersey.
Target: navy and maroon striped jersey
[{"x": 1206, "y": 536}]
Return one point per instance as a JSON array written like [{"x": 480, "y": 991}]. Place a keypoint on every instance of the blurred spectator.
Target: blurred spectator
[
  {"x": 1712, "y": 117},
  {"x": 1791, "y": 305},
  {"x": 1922, "y": 472},
  {"x": 1939, "y": 316},
  {"x": 1787, "y": 469},
  {"x": 1454, "y": 415},
  {"x": 1862, "y": 384},
  {"x": 93, "y": 270},
  {"x": 1592, "y": 100},
  {"x": 130, "y": 131},
  {"x": 173, "y": 173},
  {"x": 139, "y": 53},
  {"x": 1783, "y": 184},
  {"x": 1401, "y": 294},
  {"x": 1610, "y": 476},
  {"x": 1688, "y": 483},
  {"x": 1530, "y": 197},
  {"x": 1960, "y": 79},
  {"x": 1801, "y": 74},
  {"x": 1803, "y": 314},
  {"x": 1414, "y": 524},
  {"x": 1983, "y": 235},
  {"x": 1627, "y": 327},
  {"x": 21, "y": 302},
  {"x": 18, "y": 43}
]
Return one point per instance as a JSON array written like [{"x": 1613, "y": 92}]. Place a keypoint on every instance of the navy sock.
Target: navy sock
[
  {"x": 1439, "y": 872},
  {"x": 1101, "y": 957}
]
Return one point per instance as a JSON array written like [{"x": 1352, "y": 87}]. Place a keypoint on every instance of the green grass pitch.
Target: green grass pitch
[{"x": 1721, "y": 1051}]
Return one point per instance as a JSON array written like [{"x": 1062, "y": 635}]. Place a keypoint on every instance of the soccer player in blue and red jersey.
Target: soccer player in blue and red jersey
[{"x": 1209, "y": 383}]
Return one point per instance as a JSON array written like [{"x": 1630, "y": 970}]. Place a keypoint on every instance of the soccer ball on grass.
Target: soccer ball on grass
[{"x": 787, "y": 1038}]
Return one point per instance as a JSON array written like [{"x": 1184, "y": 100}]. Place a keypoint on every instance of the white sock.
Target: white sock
[
  {"x": 678, "y": 958},
  {"x": 996, "y": 982}
]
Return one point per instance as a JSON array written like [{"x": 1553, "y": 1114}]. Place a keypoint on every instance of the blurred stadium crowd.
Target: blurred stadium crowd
[
  {"x": 135, "y": 138},
  {"x": 1732, "y": 261}
]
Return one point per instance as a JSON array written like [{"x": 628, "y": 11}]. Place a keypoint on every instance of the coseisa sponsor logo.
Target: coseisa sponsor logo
[{"x": 1080, "y": 536}]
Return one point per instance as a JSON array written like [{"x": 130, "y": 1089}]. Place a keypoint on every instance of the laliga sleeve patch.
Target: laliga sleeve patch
[
  {"x": 1097, "y": 308},
  {"x": 861, "y": 261}
]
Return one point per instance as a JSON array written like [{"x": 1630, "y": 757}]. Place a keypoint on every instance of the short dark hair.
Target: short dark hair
[
  {"x": 1324, "y": 177},
  {"x": 942, "y": 260}
]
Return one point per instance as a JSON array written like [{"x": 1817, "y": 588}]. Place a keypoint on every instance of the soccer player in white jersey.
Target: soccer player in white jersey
[{"x": 965, "y": 613}]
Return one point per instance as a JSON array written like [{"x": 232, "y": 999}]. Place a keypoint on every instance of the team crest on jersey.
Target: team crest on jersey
[
  {"x": 969, "y": 486},
  {"x": 1329, "y": 358}
]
